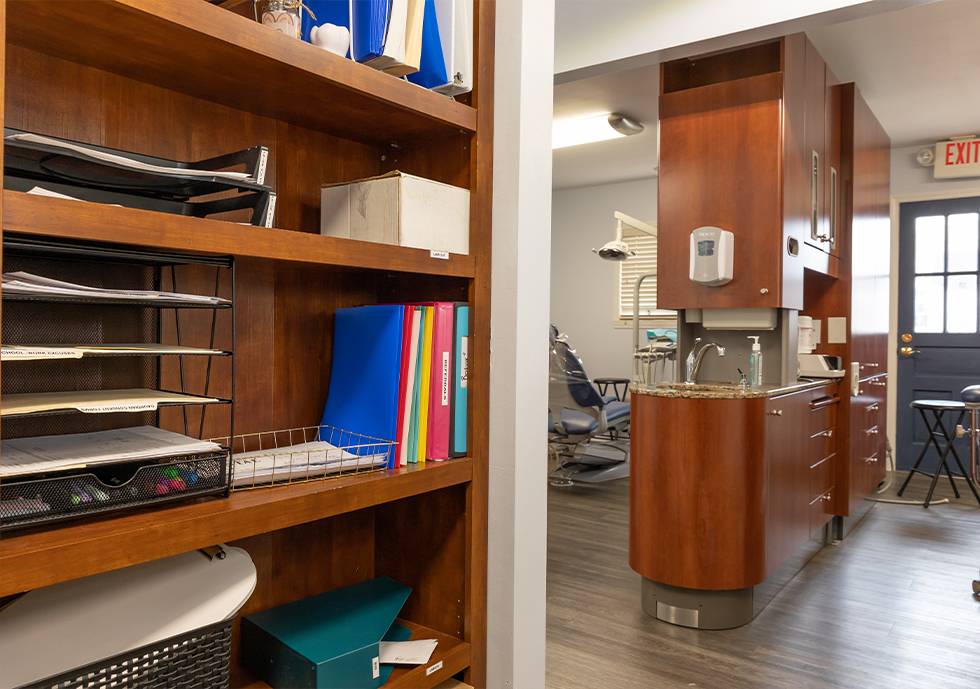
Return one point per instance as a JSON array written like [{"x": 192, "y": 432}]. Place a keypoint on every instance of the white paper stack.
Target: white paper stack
[
  {"x": 53, "y": 452},
  {"x": 299, "y": 462},
  {"x": 36, "y": 285}
]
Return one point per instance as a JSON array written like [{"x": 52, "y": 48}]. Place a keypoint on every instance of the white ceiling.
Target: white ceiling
[{"x": 918, "y": 68}]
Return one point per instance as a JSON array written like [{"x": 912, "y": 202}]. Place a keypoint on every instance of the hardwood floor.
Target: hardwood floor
[{"x": 890, "y": 607}]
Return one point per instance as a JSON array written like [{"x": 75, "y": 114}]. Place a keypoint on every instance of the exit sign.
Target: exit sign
[{"x": 957, "y": 158}]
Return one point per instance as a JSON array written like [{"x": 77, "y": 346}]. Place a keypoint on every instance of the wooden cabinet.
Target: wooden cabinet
[
  {"x": 732, "y": 156},
  {"x": 723, "y": 491},
  {"x": 191, "y": 80}
]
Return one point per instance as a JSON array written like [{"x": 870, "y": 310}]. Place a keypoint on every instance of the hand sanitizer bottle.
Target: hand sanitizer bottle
[{"x": 755, "y": 364}]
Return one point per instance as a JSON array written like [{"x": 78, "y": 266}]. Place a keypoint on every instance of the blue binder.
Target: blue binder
[
  {"x": 367, "y": 350},
  {"x": 369, "y": 28},
  {"x": 432, "y": 70},
  {"x": 457, "y": 420}
]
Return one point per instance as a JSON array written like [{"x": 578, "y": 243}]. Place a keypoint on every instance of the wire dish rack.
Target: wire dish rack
[{"x": 300, "y": 455}]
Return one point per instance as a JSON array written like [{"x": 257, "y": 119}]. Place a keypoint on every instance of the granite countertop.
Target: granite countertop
[{"x": 727, "y": 391}]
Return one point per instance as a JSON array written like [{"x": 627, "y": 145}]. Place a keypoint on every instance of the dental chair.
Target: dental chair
[{"x": 588, "y": 434}]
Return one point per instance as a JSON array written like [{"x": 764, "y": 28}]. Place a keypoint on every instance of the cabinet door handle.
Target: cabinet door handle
[
  {"x": 871, "y": 460},
  {"x": 825, "y": 497},
  {"x": 828, "y": 434},
  {"x": 814, "y": 196},
  {"x": 775, "y": 412},
  {"x": 872, "y": 431},
  {"x": 833, "y": 205},
  {"x": 873, "y": 407}
]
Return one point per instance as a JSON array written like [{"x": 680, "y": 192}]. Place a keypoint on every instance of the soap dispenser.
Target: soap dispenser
[{"x": 755, "y": 364}]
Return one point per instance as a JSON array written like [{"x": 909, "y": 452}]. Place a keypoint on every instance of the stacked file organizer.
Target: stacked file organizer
[
  {"x": 58, "y": 167},
  {"x": 84, "y": 372}
]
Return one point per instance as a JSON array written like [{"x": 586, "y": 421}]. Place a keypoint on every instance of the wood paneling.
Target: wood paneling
[
  {"x": 688, "y": 73},
  {"x": 814, "y": 142},
  {"x": 795, "y": 184},
  {"x": 698, "y": 495},
  {"x": 720, "y": 166},
  {"x": 262, "y": 71}
]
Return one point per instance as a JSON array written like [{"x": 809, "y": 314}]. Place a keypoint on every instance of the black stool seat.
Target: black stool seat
[
  {"x": 937, "y": 430},
  {"x": 604, "y": 383},
  {"x": 944, "y": 405}
]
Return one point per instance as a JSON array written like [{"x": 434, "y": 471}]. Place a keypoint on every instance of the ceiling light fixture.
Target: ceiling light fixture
[{"x": 591, "y": 129}]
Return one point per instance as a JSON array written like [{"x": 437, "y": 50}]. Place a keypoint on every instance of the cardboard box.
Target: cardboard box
[
  {"x": 398, "y": 209},
  {"x": 330, "y": 641}
]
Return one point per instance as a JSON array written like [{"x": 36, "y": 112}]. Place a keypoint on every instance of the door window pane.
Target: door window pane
[
  {"x": 930, "y": 247},
  {"x": 961, "y": 303},
  {"x": 929, "y": 304},
  {"x": 963, "y": 245}
]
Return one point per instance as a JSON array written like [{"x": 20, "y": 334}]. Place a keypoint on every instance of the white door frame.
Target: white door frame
[{"x": 896, "y": 201}]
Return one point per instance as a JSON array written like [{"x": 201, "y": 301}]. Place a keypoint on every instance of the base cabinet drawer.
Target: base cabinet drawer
[
  {"x": 822, "y": 477},
  {"x": 821, "y": 511}
]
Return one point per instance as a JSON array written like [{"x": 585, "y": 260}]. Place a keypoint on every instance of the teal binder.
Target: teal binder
[{"x": 328, "y": 641}]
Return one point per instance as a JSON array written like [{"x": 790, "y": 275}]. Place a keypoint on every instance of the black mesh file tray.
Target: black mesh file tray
[
  {"x": 199, "y": 659},
  {"x": 110, "y": 176},
  {"x": 32, "y": 499}
]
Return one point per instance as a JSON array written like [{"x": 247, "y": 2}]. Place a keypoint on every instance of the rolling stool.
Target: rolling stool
[
  {"x": 604, "y": 383},
  {"x": 938, "y": 430}
]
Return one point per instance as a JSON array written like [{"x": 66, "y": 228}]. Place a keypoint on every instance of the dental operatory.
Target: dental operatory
[{"x": 764, "y": 398}]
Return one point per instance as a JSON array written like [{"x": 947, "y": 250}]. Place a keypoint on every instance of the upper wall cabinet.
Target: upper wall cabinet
[{"x": 743, "y": 147}]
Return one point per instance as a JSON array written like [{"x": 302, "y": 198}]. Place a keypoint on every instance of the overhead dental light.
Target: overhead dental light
[
  {"x": 617, "y": 249},
  {"x": 590, "y": 129}
]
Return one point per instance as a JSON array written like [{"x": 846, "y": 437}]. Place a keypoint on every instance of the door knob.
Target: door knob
[{"x": 908, "y": 351}]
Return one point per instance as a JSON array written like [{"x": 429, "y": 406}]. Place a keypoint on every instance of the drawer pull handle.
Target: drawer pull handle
[
  {"x": 775, "y": 412},
  {"x": 828, "y": 434},
  {"x": 825, "y": 497},
  {"x": 820, "y": 404},
  {"x": 871, "y": 460},
  {"x": 879, "y": 383},
  {"x": 872, "y": 431},
  {"x": 873, "y": 407}
]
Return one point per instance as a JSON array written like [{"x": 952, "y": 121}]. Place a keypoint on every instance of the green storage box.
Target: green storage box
[{"x": 328, "y": 641}]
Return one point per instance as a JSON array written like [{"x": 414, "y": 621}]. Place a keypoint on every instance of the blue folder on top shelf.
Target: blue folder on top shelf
[
  {"x": 367, "y": 349},
  {"x": 369, "y": 28},
  {"x": 432, "y": 69}
]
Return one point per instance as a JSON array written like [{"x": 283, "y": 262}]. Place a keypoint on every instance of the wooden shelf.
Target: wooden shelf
[
  {"x": 204, "y": 51},
  {"x": 34, "y": 559},
  {"x": 41, "y": 215},
  {"x": 453, "y": 654}
]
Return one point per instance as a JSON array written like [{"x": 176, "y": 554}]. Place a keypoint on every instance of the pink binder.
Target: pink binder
[{"x": 440, "y": 382}]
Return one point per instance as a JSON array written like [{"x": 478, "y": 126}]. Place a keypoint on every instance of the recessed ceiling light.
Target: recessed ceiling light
[{"x": 590, "y": 129}]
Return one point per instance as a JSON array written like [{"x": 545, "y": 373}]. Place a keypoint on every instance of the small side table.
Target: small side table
[
  {"x": 604, "y": 383},
  {"x": 937, "y": 429}
]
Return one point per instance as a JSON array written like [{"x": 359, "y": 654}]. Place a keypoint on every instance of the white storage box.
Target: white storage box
[{"x": 398, "y": 209}]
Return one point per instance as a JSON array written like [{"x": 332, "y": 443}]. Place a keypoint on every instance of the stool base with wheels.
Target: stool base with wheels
[{"x": 937, "y": 430}]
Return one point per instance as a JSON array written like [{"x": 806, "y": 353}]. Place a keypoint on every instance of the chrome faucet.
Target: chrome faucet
[{"x": 692, "y": 377}]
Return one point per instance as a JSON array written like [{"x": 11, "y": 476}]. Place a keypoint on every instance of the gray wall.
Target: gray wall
[
  {"x": 583, "y": 286},
  {"x": 908, "y": 177}
]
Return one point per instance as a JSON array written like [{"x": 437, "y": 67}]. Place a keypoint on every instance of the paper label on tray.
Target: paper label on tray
[
  {"x": 439, "y": 254},
  {"x": 121, "y": 406},
  {"x": 39, "y": 353},
  {"x": 375, "y": 668},
  {"x": 434, "y": 668}
]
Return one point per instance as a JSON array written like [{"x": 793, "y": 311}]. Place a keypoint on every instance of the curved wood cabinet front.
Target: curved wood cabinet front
[{"x": 698, "y": 491}]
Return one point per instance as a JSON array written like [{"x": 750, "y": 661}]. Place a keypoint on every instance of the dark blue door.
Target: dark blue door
[{"x": 938, "y": 314}]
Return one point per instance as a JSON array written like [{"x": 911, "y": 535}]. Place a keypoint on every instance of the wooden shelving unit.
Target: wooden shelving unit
[{"x": 185, "y": 79}]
